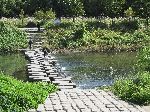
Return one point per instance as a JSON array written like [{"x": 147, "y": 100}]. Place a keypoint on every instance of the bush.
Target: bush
[
  {"x": 134, "y": 90},
  {"x": 44, "y": 15},
  {"x": 18, "y": 96},
  {"x": 125, "y": 26},
  {"x": 144, "y": 59},
  {"x": 11, "y": 38}
]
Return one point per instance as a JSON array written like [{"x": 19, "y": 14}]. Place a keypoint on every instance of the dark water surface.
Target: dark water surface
[
  {"x": 90, "y": 70},
  {"x": 13, "y": 64}
]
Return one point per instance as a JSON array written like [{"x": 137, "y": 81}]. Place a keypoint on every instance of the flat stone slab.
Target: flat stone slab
[{"x": 77, "y": 100}]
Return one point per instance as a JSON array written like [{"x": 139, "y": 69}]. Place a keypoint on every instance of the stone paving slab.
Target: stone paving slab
[{"x": 77, "y": 100}]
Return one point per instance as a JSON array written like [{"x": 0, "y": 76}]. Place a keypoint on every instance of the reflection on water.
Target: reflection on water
[
  {"x": 13, "y": 64},
  {"x": 97, "y": 69}
]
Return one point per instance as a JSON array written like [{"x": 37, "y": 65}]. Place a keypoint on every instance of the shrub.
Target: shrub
[
  {"x": 134, "y": 90},
  {"x": 125, "y": 26},
  {"x": 44, "y": 15},
  {"x": 144, "y": 59},
  {"x": 18, "y": 96},
  {"x": 11, "y": 38}
]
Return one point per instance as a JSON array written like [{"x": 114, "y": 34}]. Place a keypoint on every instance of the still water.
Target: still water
[
  {"x": 14, "y": 65},
  {"x": 90, "y": 70}
]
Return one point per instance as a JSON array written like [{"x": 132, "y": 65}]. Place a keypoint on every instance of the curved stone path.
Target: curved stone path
[{"x": 71, "y": 99}]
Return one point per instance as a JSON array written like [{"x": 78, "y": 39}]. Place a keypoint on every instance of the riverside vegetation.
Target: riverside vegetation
[
  {"x": 15, "y": 95},
  {"x": 114, "y": 33},
  {"x": 18, "y": 96},
  {"x": 11, "y": 39},
  {"x": 97, "y": 35},
  {"x": 136, "y": 90}
]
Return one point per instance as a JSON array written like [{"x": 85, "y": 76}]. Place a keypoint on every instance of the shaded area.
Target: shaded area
[
  {"x": 89, "y": 70},
  {"x": 13, "y": 64}
]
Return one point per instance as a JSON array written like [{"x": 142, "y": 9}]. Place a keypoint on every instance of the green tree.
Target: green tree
[{"x": 71, "y": 8}]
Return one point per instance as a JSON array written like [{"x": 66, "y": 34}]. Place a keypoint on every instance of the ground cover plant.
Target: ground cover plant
[
  {"x": 18, "y": 96},
  {"x": 137, "y": 89},
  {"x": 11, "y": 38},
  {"x": 134, "y": 90}
]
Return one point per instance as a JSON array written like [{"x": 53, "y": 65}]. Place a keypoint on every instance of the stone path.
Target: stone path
[
  {"x": 77, "y": 100},
  {"x": 69, "y": 99},
  {"x": 45, "y": 69}
]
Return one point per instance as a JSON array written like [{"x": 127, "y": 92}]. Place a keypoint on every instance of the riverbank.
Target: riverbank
[{"x": 91, "y": 36}]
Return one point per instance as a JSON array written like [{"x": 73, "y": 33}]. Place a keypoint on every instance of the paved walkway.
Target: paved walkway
[
  {"x": 77, "y": 100},
  {"x": 74, "y": 99}
]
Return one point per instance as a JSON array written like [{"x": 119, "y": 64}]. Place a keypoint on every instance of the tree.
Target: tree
[
  {"x": 114, "y": 8},
  {"x": 71, "y": 8}
]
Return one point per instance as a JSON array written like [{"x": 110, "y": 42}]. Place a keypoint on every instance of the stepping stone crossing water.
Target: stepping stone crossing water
[{"x": 69, "y": 99}]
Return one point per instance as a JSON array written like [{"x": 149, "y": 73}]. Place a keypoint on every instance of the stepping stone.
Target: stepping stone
[
  {"x": 64, "y": 79},
  {"x": 52, "y": 76},
  {"x": 40, "y": 108},
  {"x": 65, "y": 87}
]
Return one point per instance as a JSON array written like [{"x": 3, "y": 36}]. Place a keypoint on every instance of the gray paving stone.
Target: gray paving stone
[{"x": 41, "y": 108}]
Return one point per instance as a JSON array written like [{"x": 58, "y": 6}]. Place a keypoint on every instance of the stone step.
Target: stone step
[
  {"x": 52, "y": 76},
  {"x": 35, "y": 70},
  {"x": 31, "y": 29},
  {"x": 65, "y": 87},
  {"x": 64, "y": 83},
  {"x": 39, "y": 43},
  {"x": 37, "y": 46},
  {"x": 63, "y": 79},
  {"x": 37, "y": 73},
  {"x": 40, "y": 79}
]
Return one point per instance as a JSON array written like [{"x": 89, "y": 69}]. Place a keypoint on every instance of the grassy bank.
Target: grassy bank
[
  {"x": 18, "y": 96},
  {"x": 97, "y": 35}
]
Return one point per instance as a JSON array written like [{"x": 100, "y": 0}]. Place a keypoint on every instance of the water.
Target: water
[
  {"x": 90, "y": 70},
  {"x": 14, "y": 65}
]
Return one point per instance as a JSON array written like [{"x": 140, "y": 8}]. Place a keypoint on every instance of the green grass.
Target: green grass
[{"x": 18, "y": 96}]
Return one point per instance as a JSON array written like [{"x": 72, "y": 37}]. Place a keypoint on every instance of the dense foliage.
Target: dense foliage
[
  {"x": 94, "y": 8},
  {"x": 137, "y": 90},
  {"x": 17, "y": 96},
  {"x": 11, "y": 38},
  {"x": 97, "y": 35},
  {"x": 134, "y": 90}
]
